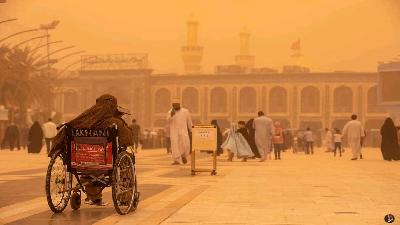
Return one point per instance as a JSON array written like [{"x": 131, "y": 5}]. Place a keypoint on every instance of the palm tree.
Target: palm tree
[{"x": 22, "y": 80}]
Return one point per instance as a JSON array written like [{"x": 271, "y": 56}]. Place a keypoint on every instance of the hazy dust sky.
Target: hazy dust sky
[{"x": 335, "y": 34}]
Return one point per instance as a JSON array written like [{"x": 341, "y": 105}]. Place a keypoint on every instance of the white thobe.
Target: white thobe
[
  {"x": 353, "y": 130},
  {"x": 264, "y": 131},
  {"x": 179, "y": 124}
]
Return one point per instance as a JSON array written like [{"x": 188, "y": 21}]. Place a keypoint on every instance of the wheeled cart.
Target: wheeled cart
[{"x": 204, "y": 139}]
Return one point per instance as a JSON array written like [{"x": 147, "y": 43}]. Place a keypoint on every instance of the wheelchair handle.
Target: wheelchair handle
[{"x": 62, "y": 125}]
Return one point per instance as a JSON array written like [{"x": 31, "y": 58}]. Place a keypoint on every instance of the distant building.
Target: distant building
[
  {"x": 298, "y": 100},
  {"x": 388, "y": 91}
]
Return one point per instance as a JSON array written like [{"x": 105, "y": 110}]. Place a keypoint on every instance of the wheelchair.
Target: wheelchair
[{"x": 92, "y": 157}]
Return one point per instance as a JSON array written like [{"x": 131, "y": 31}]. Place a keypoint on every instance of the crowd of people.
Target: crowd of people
[
  {"x": 256, "y": 138},
  {"x": 30, "y": 138},
  {"x": 259, "y": 137}
]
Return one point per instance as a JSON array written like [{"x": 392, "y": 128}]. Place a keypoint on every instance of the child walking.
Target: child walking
[
  {"x": 236, "y": 143},
  {"x": 337, "y": 138},
  {"x": 278, "y": 140}
]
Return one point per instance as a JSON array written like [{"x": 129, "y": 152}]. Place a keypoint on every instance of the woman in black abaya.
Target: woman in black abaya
[
  {"x": 35, "y": 138},
  {"x": 252, "y": 140},
  {"x": 389, "y": 146}
]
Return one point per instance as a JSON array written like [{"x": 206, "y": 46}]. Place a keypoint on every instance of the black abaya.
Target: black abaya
[
  {"x": 389, "y": 146},
  {"x": 35, "y": 138},
  {"x": 252, "y": 138}
]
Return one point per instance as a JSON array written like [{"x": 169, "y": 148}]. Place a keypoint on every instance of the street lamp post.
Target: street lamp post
[{"x": 47, "y": 27}]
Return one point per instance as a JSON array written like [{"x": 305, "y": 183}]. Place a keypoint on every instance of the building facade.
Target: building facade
[
  {"x": 388, "y": 94},
  {"x": 316, "y": 100}
]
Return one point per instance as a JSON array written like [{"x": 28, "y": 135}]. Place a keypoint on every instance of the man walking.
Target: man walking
[
  {"x": 180, "y": 124},
  {"x": 354, "y": 132},
  {"x": 309, "y": 138},
  {"x": 135, "y": 134},
  {"x": 49, "y": 132},
  {"x": 264, "y": 131}
]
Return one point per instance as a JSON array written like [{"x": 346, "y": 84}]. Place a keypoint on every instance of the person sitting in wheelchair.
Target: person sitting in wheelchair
[{"x": 104, "y": 114}]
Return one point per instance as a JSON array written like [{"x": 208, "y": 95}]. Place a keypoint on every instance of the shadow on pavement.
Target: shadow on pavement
[{"x": 87, "y": 214}]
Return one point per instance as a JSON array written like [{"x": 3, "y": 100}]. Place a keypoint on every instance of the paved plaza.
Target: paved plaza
[{"x": 297, "y": 190}]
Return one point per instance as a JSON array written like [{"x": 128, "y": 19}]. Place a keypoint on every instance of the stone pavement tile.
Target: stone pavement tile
[
  {"x": 11, "y": 161},
  {"x": 338, "y": 192},
  {"x": 298, "y": 190}
]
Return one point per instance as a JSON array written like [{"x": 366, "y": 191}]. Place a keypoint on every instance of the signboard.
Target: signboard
[
  {"x": 91, "y": 157},
  {"x": 204, "y": 137},
  {"x": 114, "y": 62}
]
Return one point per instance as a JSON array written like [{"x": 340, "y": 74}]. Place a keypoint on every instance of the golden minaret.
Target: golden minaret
[
  {"x": 192, "y": 52},
  {"x": 244, "y": 59}
]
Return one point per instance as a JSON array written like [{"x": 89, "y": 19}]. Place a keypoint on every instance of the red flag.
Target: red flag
[{"x": 296, "y": 45}]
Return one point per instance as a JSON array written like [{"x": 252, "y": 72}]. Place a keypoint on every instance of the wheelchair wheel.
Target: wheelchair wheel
[
  {"x": 58, "y": 184},
  {"x": 136, "y": 197},
  {"x": 124, "y": 187}
]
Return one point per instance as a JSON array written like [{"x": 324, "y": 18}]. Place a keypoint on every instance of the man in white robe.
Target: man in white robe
[
  {"x": 180, "y": 123},
  {"x": 354, "y": 131},
  {"x": 264, "y": 131}
]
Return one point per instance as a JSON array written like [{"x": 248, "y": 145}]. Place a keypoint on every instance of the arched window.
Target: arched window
[
  {"x": 343, "y": 100},
  {"x": 190, "y": 99},
  {"x": 310, "y": 100},
  {"x": 247, "y": 100},
  {"x": 71, "y": 101},
  {"x": 373, "y": 105},
  {"x": 218, "y": 100},
  {"x": 278, "y": 100},
  {"x": 162, "y": 101}
]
